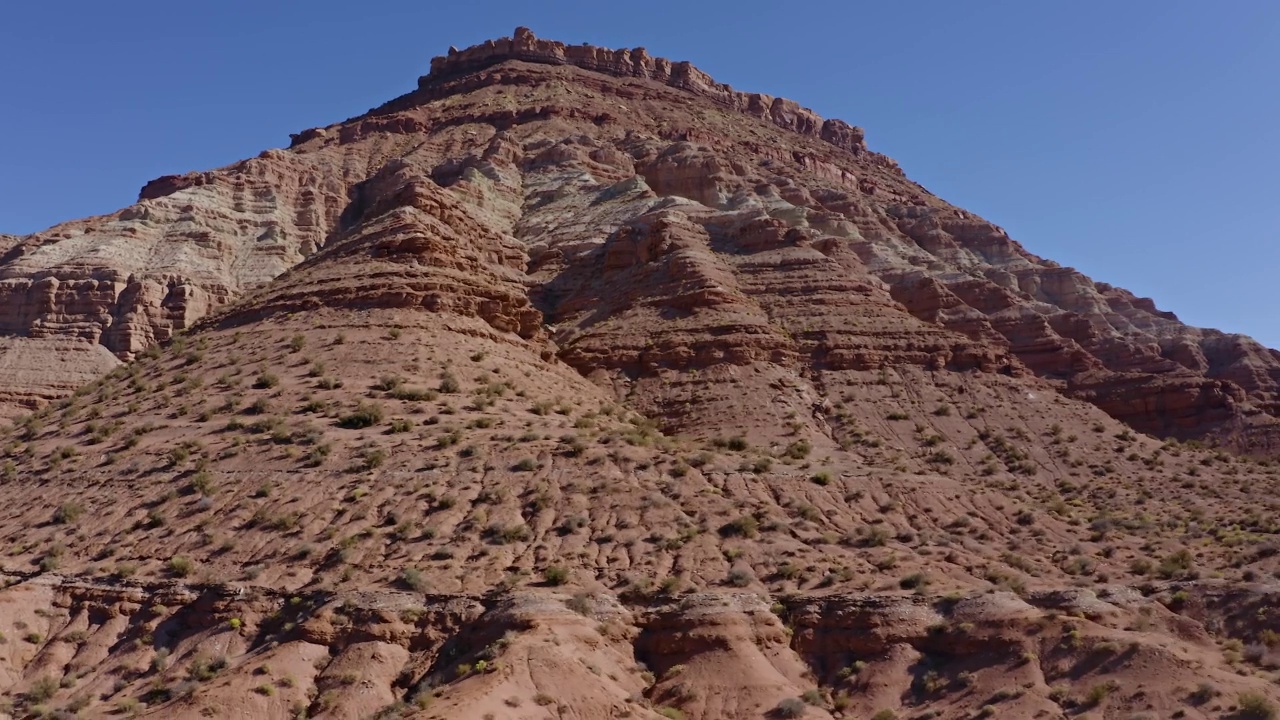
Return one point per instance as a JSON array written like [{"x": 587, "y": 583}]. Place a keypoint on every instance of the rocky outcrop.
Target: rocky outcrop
[
  {"x": 410, "y": 245},
  {"x": 127, "y": 281}
]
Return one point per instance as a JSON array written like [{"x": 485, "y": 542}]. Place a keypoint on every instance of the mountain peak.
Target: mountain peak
[
  {"x": 576, "y": 383},
  {"x": 524, "y": 46}
]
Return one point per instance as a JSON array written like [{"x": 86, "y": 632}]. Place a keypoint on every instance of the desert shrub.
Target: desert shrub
[
  {"x": 873, "y": 536},
  {"x": 525, "y": 465},
  {"x": 374, "y": 458},
  {"x": 822, "y": 477},
  {"x": 42, "y": 690},
  {"x": 798, "y": 450},
  {"x": 913, "y": 581},
  {"x": 160, "y": 660},
  {"x": 317, "y": 455},
  {"x": 449, "y": 383},
  {"x": 387, "y": 383},
  {"x": 364, "y": 416},
  {"x": 740, "y": 577},
  {"x": 556, "y": 575},
  {"x": 506, "y": 534},
  {"x": 181, "y": 565},
  {"x": 942, "y": 457},
  {"x": 1256, "y": 707},
  {"x": 746, "y": 526},
  {"x": 1178, "y": 565},
  {"x": 202, "y": 483},
  {"x": 790, "y": 708},
  {"x": 261, "y": 406},
  {"x": 413, "y": 579},
  {"x": 1203, "y": 693},
  {"x": 68, "y": 513},
  {"x": 297, "y": 342},
  {"x": 52, "y": 559},
  {"x": 265, "y": 381},
  {"x": 1097, "y": 694},
  {"x": 414, "y": 394},
  {"x": 205, "y": 668}
]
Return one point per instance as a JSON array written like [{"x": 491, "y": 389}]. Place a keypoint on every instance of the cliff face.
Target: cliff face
[{"x": 670, "y": 223}]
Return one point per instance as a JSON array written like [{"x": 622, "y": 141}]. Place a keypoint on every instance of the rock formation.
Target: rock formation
[
  {"x": 775, "y": 205},
  {"x": 574, "y": 384}
]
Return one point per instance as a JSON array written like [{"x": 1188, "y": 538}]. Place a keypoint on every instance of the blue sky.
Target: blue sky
[{"x": 1137, "y": 141}]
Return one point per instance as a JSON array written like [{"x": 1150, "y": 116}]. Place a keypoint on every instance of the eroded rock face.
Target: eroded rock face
[
  {"x": 660, "y": 223},
  {"x": 189, "y": 652}
]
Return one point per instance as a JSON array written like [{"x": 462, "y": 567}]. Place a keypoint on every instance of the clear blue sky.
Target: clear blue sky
[{"x": 1138, "y": 141}]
